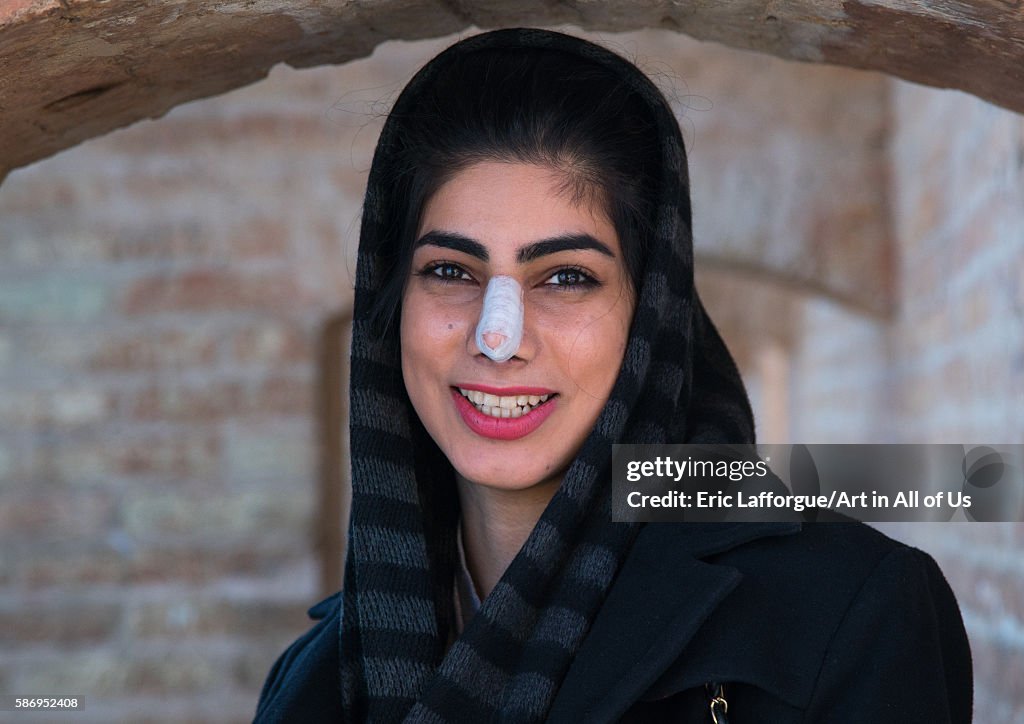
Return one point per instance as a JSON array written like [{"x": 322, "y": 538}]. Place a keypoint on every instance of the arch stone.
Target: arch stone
[{"x": 74, "y": 69}]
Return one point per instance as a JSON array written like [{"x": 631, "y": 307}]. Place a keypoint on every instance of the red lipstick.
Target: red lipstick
[{"x": 503, "y": 428}]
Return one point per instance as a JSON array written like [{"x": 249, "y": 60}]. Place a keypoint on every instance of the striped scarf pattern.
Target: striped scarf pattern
[{"x": 677, "y": 383}]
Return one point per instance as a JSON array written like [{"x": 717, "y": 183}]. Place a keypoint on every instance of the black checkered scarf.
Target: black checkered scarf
[{"x": 677, "y": 383}]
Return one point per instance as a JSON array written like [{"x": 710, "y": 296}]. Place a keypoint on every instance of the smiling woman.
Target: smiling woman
[
  {"x": 525, "y": 300},
  {"x": 577, "y": 306}
]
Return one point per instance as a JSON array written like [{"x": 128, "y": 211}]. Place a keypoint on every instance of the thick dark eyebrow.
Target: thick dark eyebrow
[
  {"x": 568, "y": 242},
  {"x": 458, "y": 242}
]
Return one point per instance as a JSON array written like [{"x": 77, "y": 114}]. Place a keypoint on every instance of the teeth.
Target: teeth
[{"x": 503, "y": 407}]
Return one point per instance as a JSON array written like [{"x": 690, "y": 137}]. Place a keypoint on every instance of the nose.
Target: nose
[{"x": 500, "y": 329}]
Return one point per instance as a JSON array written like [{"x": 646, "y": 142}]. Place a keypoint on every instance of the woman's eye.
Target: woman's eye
[
  {"x": 568, "y": 278},
  {"x": 450, "y": 272}
]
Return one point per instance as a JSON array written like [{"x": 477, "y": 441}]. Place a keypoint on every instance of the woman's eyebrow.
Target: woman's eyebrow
[
  {"x": 451, "y": 240},
  {"x": 527, "y": 253},
  {"x": 566, "y": 242}
]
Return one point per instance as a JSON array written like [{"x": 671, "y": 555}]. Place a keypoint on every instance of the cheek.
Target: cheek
[
  {"x": 593, "y": 350},
  {"x": 430, "y": 329}
]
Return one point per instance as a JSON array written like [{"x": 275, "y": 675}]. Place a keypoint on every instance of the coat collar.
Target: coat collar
[{"x": 663, "y": 593}]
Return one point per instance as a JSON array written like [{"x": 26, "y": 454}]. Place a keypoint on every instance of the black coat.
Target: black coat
[{"x": 831, "y": 622}]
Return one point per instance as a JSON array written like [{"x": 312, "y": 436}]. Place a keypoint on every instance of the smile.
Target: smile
[
  {"x": 501, "y": 406},
  {"x": 504, "y": 417}
]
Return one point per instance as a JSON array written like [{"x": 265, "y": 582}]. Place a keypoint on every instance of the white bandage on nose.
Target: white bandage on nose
[{"x": 500, "y": 330}]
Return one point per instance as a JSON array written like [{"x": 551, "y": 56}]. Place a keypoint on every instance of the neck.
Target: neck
[{"x": 495, "y": 524}]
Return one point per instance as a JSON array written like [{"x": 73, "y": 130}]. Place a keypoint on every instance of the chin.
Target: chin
[{"x": 498, "y": 477}]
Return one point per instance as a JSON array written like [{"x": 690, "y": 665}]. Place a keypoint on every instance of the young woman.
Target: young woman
[{"x": 525, "y": 299}]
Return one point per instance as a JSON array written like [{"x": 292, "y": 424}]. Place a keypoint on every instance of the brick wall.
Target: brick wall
[
  {"x": 163, "y": 291},
  {"x": 958, "y": 210},
  {"x": 162, "y": 294},
  {"x": 949, "y": 367}
]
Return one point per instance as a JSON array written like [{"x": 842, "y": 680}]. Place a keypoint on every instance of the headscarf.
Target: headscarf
[{"x": 677, "y": 383}]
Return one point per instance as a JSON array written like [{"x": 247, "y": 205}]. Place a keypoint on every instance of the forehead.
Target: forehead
[{"x": 511, "y": 204}]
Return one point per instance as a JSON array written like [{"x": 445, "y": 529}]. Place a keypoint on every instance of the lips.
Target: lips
[{"x": 508, "y": 416}]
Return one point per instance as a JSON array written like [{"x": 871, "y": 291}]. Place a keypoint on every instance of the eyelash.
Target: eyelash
[
  {"x": 432, "y": 271},
  {"x": 586, "y": 281}
]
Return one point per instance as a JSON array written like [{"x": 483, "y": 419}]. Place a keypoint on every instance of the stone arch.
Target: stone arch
[{"x": 74, "y": 69}]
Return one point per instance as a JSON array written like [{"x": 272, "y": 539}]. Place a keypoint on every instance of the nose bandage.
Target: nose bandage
[{"x": 500, "y": 330}]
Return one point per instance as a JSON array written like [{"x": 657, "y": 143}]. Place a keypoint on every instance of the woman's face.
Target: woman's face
[{"x": 511, "y": 219}]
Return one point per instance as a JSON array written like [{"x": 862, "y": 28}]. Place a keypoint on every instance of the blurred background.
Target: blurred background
[{"x": 173, "y": 306}]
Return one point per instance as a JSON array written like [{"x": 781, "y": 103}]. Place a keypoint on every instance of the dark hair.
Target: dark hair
[{"x": 539, "y": 106}]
